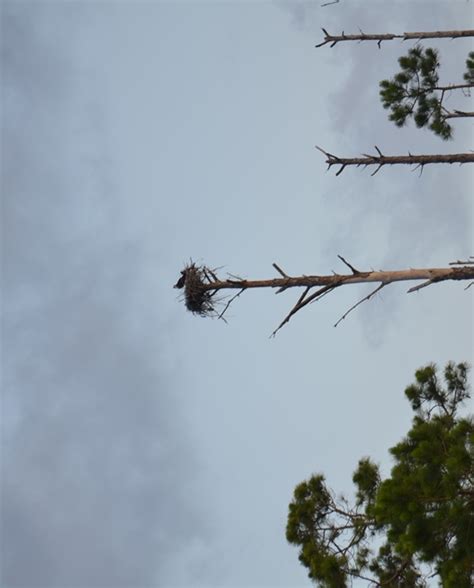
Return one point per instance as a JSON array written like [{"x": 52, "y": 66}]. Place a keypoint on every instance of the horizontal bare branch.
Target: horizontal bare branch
[
  {"x": 201, "y": 285},
  {"x": 380, "y": 37},
  {"x": 458, "y": 114},
  {"x": 387, "y": 277},
  {"x": 380, "y": 160}
]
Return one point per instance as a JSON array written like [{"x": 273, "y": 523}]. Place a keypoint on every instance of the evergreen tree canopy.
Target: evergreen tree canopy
[
  {"x": 416, "y": 524},
  {"x": 414, "y": 91}
]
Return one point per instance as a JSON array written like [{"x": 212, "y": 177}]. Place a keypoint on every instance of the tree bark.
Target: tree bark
[
  {"x": 458, "y": 114},
  {"x": 381, "y": 160},
  {"x": 201, "y": 285},
  {"x": 453, "y": 87},
  {"x": 379, "y": 37},
  {"x": 387, "y": 277}
]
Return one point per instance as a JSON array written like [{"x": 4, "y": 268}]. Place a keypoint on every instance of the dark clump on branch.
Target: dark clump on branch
[
  {"x": 197, "y": 297},
  {"x": 201, "y": 285}
]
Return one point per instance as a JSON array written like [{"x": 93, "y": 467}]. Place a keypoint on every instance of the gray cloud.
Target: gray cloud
[
  {"x": 138, "y": 136},
  {"x": 96, "y": 462}
]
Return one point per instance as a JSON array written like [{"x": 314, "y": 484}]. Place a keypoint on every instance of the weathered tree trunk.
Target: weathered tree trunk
[{"x": 379, "y": 37}]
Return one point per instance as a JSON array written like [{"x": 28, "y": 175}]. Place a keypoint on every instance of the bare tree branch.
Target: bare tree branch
[
  {"x": 381, "y": 160},
  {"x": 221, "y": 315},
  {"x": 458, "y": 262},
  {"x": 294, "y": 310},
  {"x": 279, "y": 270},
  {"x": 368, "y": 297},
  {"x": 458, "y": 114},
  {"x": 380, "y": 37},
  {"x": 354, "y": 271},
  {"x": 201, "y": 289}
]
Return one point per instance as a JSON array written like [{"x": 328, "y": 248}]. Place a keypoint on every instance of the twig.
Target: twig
[
  {"x": 282, "y": 273},
  {"x": 214, "y": 277},
  {"x": 221, "y": 315},
  {"x": 279, "y": 270},
  {"x": 235, "y": 279},
  {"x": 353, "y": 269},
  {"x": 421, "y": 166},
  {"x": 458, "y": 262},
  {"x": 330, "y": 155},
  {"x": 420, "y": 286},
  {"x": 302, "y": 302},
  {"x": 368, "y": 297},
  {"x": 376, "y": 171},
  {"x": 295, "y": 309}
]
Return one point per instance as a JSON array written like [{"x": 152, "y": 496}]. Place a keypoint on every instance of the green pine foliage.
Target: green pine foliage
[
  {"x": 421, "y": 517},
  {"x": 413, "y": 92},
  {"x": 469, "y": 75}
]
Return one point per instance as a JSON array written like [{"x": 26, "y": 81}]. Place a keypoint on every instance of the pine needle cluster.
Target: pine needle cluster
[{"x": 413, "y": 92}]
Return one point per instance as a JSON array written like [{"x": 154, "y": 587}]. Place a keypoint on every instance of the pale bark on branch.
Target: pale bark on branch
[
  {"x": 380, "y": 37},
  {"x": 202, "y": 286},
  {"x": 459, "y": 114},
  {"x": 387, "y": 277}
]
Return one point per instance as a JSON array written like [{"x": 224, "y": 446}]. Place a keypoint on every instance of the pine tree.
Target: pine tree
[
  {"x": 422, "y": 514},
  {"x": 415, "y": 92},
  {"x": 469, "y": 75}
]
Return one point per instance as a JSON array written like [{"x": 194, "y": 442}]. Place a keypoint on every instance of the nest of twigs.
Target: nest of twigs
[{"x": 197, "y": 296}]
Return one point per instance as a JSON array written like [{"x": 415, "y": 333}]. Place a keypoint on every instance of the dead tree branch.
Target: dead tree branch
[
  {"x": 470, "y": 260},
  {"x": 229, "y": 302},
  {"x": 201, "y": 285},
  {"x": 380, "y": 160},
  {"x": 458, "y": 114},
  {"x": 368, "y": 297},
  {"x": 380, "y": 37}
]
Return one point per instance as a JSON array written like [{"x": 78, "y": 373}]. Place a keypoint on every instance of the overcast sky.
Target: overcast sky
[{"x": 143, "y": 446}]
